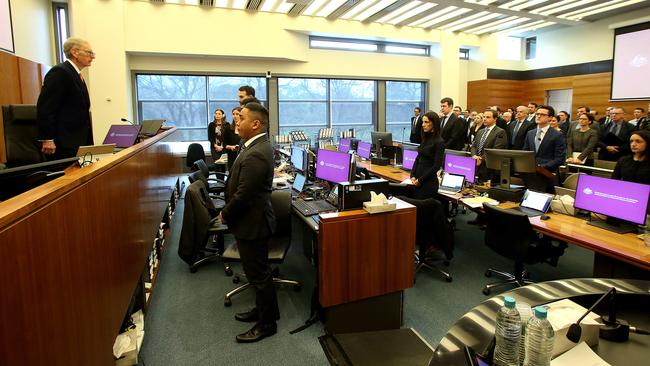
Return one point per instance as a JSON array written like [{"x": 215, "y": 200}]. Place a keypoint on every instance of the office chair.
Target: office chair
[
  {"x": 216, "y": 186},
  {"x": 278, "y": 245},
  {"x": 200, "y": 228},
  {"x": 510, "y": 234},
  {"x": 21, "y": 135},
  {"x": 195, "y": 152},
  {"x": 571, "y": 181},
  {"x": 432, "y": 229}
]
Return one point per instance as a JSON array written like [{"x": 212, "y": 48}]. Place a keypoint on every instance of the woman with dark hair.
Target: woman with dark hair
[
  {"x": 582, "y": 141},
  {"x": 216, "y": 133},
  {"x": 635, "y": 167},
  {"x": 431, "y": 153},
  {"x": 232, "y": 139}
]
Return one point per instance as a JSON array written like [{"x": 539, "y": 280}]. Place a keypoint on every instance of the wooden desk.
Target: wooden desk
[
  {"x": 390, "y": 173},
  {"x": 72, "y": 252}
]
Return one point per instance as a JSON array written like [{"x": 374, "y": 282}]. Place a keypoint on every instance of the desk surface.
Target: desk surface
[{"x": 388, "y": 172}]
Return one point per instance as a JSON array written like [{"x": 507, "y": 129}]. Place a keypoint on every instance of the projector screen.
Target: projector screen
[
  {"x": 6, "y": 33},
  {"x": 631, "y": 63}
]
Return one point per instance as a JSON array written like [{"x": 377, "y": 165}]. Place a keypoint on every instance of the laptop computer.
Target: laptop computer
[
  {"x": 122, "y": 135},
  {"x": 91, "y": 153},
  {"x": 298, "y": 184},
  {"x": 534, "y": 203},
  {"x": 150, "y": 127},
  {"x": 561, "y": 191},
  {"x": 451, "y": 183}
]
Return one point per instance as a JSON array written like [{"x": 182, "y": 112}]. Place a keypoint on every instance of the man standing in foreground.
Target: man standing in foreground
[
  {"x": 63, "y": 107},
  {"x": 249, "y": 216}
]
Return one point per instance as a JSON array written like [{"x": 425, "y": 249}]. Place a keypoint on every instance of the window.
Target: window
[
  {"x": 368, "y": 46},
  {"x": 61, "y": 28},
  {"x": 401, "y": 98},
  {"x": 312, "y": 104},
  {"x": 509, "y": 48},
  {"x": 463, "y": 53},
  {"x": 531, "y": 48},
  {"x": 189, "y": 101}
]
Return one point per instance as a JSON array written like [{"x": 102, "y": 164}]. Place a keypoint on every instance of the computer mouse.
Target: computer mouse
[{"x": 545, "y": 217}]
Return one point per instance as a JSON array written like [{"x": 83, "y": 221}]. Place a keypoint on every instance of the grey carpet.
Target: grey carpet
[{"x": 187, "y": 323}]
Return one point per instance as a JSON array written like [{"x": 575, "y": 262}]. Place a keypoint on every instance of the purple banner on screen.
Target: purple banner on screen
[
  {"x": 122, "y": 135},
  {"x": 364, "y": 149},
  {"x": 616, "y": 198},
  {"x": 344, "y": 145},
  {"x": 333, "y": 166},
  {"x": 461, "y": 165},
  {"x": 408, "y": 158}
]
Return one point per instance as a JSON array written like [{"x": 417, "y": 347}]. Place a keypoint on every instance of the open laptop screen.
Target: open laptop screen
[
  {"x": 452, "y": 182},
  {"x": 122, "y": 135},
  {"x": 299, "y": 182},
  {"x": 344, "y": 145},
  {"x": 536, "y": 200}
]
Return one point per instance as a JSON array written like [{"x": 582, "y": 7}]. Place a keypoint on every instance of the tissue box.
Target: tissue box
[
  {"x": 562, "y": 314},
  {"x": 375, "y": 208}
]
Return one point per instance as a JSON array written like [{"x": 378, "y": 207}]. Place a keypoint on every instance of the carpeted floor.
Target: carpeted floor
[{"x": 187, "y": 323}]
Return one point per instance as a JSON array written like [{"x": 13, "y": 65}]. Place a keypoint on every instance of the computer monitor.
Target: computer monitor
[
  {"x": 510, "y": 161},
  {"x": 299, "y": 158},
  {"x": 122, "y": 135},
  {"x": 363, "y": 149},
  {"x": 460, "y": 164},
  {"x": 15, "y": 181},
  {"x": 614, "y": 198},
  {"x": 150, "y": 127},
  {"x": 344, "y": 145},
  {"x": 334, "y": 166},
  {"x": 409, "y": 153}
]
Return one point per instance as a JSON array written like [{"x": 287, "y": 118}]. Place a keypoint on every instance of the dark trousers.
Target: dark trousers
[
  {"x": 255, "y": 261},
  {"x": 62, "y": 153}
]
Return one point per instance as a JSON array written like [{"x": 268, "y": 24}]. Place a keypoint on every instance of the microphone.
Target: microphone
[
  {"x": 403, "y": 130},
  {"x": 126, "y": 120},
  {"x": 613, "y": 330}
]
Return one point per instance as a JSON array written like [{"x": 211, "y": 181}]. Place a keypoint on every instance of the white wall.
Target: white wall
[{"x": 32, "y": 26}]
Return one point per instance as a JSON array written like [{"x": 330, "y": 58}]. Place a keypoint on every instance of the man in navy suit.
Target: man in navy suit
[
  {"x": 249, "y": 216},
  {"x": 63, "y": 107},
  {"x": 452, "y": 129},
  {"x": 614, "y": 136},
  {"x": 518, "y": 128},
  {"x": 548, "y": 143},
  {"x": 416, "y": 126}
]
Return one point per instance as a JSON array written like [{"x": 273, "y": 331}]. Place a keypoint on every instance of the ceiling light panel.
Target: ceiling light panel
[
  {"x": 284, "y": 7},
  {"x": 358, "y": 9},
  {"x": 374, "y": 9},
  {"x": 480, "y": 27},
  {"x": 463, "y": 20},
  {"x": 239, "y": 4},
  {"x": 413, "y": 12},
  {"x": 560, "y": 6},
  {"x": 221, "y": 3},
  {"x": 527, "y": 4},
  {"x": 330, "y": 7},
  {"x": 269, "y": 5},
  {"x": 510, "y": 4},
  {"x": 433, "y": 16},
  {"x": 614, "y": 5},
  {"x": 535, "y": 27},
  {"x": 464, "y": 24},
  {"x": 440, "y": 19},
  {"x": 399, "y": 11},
  {"x": 499, "y": 26},
  {"x": 314, "y": 7}
]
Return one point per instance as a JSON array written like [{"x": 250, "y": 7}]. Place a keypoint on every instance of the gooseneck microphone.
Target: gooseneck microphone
[
  {"x": 403, "y": 131},
  {"x": 126, "y": 120}
]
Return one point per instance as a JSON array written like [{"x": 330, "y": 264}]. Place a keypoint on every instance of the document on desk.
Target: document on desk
[
  {"x": 476, "y": 202},
  {"x": 579, "y": 355},
  {"x": 406, "y": 182}
]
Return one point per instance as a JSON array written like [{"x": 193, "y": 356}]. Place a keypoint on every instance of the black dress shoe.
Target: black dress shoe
[
  {"x": 257, "y": 333},
  {"x": 248, "y": 316}
]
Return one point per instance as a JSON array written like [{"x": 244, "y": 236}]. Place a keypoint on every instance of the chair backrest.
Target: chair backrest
[
  {"x": 21, "y": 135},
  {"x": 281, "y": 202},
  {"x": 571, "y": 181},
  {"x": 605, "y": 164},
  {"x": 201, "y": 166},
  {"x": 508, "y": 232},
  {"x": 197, "y": 175},
  {"x": 194, "y": 152}
]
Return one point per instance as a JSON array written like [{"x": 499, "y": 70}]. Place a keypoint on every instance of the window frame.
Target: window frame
[
  {"x": 59, "y": 38},
  {"x": 381, "y": 46}
]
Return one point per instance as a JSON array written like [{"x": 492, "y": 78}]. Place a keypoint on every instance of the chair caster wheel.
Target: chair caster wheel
[
  {"x": 228, "y": 272},
  {"x": 488, "y": 273},
  {"x": 448, "y": 278},
  {"x": 297, "y": 288},
  {"x": 193, "y": 269},
  {"x": 486, "y": 291},
  {"x": 236, "y": 280},
  {"x": 227, "y": 302}
]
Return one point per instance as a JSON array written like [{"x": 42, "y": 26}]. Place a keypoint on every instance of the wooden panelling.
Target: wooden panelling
[
  {"x": 30, "y": 81},
  {"x": 592, "y": 90},
  {"x": 72, "y": 252}
]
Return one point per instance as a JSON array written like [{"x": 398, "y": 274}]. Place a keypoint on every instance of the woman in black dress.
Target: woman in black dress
[
  {"x": 216, "y": 133},
  {"x": 635, "y": 167},
  {"x": 232, "y": 139},
  {"x": 431, "y": 153}
]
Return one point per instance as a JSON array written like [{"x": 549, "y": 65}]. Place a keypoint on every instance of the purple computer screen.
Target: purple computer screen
[
  {"x": 363, "y": 149},
  {"x": 332, "y": 166},
  {"x": 408, "y": 158},
  {"x": 344, "y": 145},
  {"x": 122, "y": 135},
  {"x": 461, "y": 165},
  {"x": 616, "y": 198}
]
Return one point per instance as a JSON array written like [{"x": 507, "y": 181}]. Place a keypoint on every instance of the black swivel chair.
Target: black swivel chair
[
  {"x": 432, "y": 230},
  {"x": 278, "y": 245},
  {"x": 510, "y": 234},
  {"x": 21, "y": 135}
]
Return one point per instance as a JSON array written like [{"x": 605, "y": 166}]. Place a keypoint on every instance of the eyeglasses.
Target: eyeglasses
[
  {"x": 88, "y": 52},
  {"x": 541, "y": 114}
]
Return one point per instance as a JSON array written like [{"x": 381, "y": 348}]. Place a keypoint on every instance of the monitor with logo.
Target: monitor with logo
[
  {"x": 458, "y": 164},
  {"x": 122, "y": 135},
  {"x": 363, "y": 149},
  {"x": 408, "y": 158},
  {"x": 344, "y": 145},
  {"x": 333, "y": 166},
  {"x": 617, "y": 199}
]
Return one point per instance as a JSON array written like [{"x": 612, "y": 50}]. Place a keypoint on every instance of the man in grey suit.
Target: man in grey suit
[
  {"x": 490, "y": 137},
  {"x": 519, "y": 127},
  {"x": 249, "y": 216}
]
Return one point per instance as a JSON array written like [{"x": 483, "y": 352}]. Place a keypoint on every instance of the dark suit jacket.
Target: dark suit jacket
[
  {"x": 623, "y": 149},
  {"x": 416, "y": 131},
  {"x": 552, "y": 151},
  {"x": 248, "y": 211},
  {"x": 497, "y": 139},
  {"x": 63, "y": 108},
  {"x": 431, "y": 154},
  {"x": 517, "y": 142},
  {"x": 454, "y": 133}
]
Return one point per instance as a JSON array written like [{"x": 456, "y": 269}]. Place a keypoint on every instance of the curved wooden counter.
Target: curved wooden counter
[{"x": 72, "y": 252}]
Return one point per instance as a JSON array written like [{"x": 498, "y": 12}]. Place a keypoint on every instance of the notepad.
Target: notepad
[{"x": 476, "y": 202}]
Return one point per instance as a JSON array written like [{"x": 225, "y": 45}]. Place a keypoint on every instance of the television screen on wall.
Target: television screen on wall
[
  {"x": 631, "y": 62},
  {"x": 6, "y": 33}
]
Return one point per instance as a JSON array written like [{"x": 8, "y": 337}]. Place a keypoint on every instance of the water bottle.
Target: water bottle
[
  {"x": 525, "y": 312},
  {"x": 539, "y": 339},
  {"x": 508, "y": 334}
]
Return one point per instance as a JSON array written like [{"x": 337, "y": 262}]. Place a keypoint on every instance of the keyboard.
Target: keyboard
[
  {"x": 527, "y": 211},
  {"x": 309, "y": 208}
]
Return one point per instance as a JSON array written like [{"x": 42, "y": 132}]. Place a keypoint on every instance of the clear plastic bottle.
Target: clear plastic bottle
[
  {"x": 525, "y": 312},
  {"x": 508, "y": 334},
  {"x": 539, "y": 339}
]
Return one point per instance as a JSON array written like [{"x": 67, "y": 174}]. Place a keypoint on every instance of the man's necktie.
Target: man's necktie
[
  {"x": 444, "y": 120},
  {"x": 481, "y": 143},
  {"x": 514, "y": 132},
  {"x": 538, "y": 139}
]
